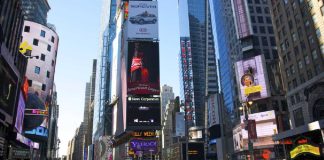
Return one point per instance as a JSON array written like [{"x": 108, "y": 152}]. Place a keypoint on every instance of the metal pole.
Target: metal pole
[
  {"x": 249, "y": 140},
  {"x": 186, "y": 126}
]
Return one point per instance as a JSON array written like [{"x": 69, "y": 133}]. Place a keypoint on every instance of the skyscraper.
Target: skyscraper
[
  {"x": 166, "y": 95},
  {"x": 299, "y": 29},
  {"x": 36, "y": 10},
  {"x": 195, "y": 32}
]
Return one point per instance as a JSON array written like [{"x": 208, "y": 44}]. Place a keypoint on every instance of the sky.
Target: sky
[{"x": 77, "y": 24}]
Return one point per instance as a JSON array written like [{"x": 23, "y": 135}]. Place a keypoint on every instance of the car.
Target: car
[{"x": 143, "y": 18}]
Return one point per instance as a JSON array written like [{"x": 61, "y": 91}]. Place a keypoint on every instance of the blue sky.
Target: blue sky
[{"x": 77, "y": 24}]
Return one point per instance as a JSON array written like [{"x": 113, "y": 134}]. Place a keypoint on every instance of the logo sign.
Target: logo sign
[
  {"x": 143, "y": 145},
  {"x": 304, "y": 148},
  {"x": 143, "y": 19},
  {"x": 144, "y": 134},
  {"x": 252, "y": 77}
]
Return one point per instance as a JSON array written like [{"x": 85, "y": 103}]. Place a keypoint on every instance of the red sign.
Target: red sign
[{"x": 252, "y": 129}]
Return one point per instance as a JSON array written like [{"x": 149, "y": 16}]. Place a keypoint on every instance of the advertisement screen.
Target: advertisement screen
[
  {"x": 20, "y": 113},
  {"x": 143, "y": 113},
  {"x": 143, "y": 19},
  {"x": 252, "y": 77},
  {"x": 143, "y": 68},
  {"x": 241, "y": 17},
  {"x": 143, "y": 146},
  {"x": 36, "y": 112},
  {"x": 196, "y": 151}
]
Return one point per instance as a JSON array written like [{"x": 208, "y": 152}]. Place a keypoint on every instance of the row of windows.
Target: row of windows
[
  {"x": 259, "y": 10},
  {"x": 42, "y": 33},
  {"x": 261, "y": 19},
  {"x": 38, "y": 70},
  {"x": 35, "y": 42},
  {"x": 262, "y": 29}
]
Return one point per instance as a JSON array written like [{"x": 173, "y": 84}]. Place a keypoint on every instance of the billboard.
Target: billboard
[
  {"x": 213, "y": 106},
  {"x": 243, "y": 24},
  {"x": 143, "y": 19},
  {"x": 143, "y": 68},
  {"x": 180, "y": 124},
  {"x": 265, "y": 127},
  {"x": 36, "y": 112},
  {"x": 143, "y": 146},
  {"x": 195, "y": 151},
  {"x": 20, "y": 113},
  {"x": 252, "y": 77},
  {"x": 143, "y": 113}
]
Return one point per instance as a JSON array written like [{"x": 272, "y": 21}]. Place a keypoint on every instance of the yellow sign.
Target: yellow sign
[
  {"x": 253, "y": 89},
  {"x": 24, "y": 46},
  {"x": 304, "y": 148},
  {"x": 144, "y": 134}
]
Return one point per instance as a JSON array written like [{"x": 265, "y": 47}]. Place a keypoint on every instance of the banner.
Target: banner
[{"x": 143, "y": 19}]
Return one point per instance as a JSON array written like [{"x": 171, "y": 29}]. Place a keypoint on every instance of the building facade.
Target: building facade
[
  {"x": 299, "y": 29},
  {"x": 36, "y": 10},
  {"x": 12, "y": 71},
  {"x": 166, "y": 95}
]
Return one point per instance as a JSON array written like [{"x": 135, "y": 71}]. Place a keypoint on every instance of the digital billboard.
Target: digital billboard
[
  {"x": 252, "y": 77},
  {"x": 143, "y": 68},
  {"x": 20, "y": 113},
  {"x": 143, "y": 113},
  {"x": 143, "y": 19},
  {"x": 36, "y": 112},
  {"x": 143, "y": 146},
  {"x": 243, "y": 24},
  {"x": 195, "y": 151}
]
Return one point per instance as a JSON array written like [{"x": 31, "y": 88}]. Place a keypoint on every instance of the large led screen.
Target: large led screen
[
  {"x": 143, "y": 19},
  {"x": 143, "y": 146},
  {"x": 195, "y": 152},
  {"x": 143, "y": 113},
  {"x": 36, "y": 112},
  {"x": 252, "y": 77},
  {"x": 143, "y": 68},
  {"x": 20, "y": 113}
]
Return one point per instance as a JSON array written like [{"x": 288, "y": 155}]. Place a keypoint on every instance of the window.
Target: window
[
  {"x": 285, "y": 1},
  {"x": 302, "y": 45},
  {"x": 287, "y": 43},
  {"x": 300, "y": 33},
  {"x": 318, "y": 33},
  {"x": 27, "y": 29},
  {"x": 43, "y": 57},
  {"x": 251, "y": 9},
  {"x": 297, "y": 19},
  {"x": 260, "y": 19},
  {"x": 318, "y": 69},
  {"x": 258, "y": 9},
  {"x": 296, "y": 50},
  {"x": 268, "y": 20},
  {"x": 262, "y": 29},
  {"x": 272, "y": 41},
  {"x": 302, "y": 78},
  {"x": 43, "y": 87},
  {"x": 49, "y": 48},
  {"x": 255, "y": 29},
  {"x": 287, "y": 72},
  {"x": 294, "y": 81},
  {"x": 290, "y": 24},
  {"x": 292, "y": 69},
  {"x": 256, "y": 41},
  {"x": 300, "y": 64},
  {"x": 48, "y": 74},
  {"x": 314, "y": 54},
  {"x": 266, "y": 10},
  {"x": 37, "y": 70},
  {"x": 52, "y": 39},
  {"x": 266, "y": 54},
  {"x": 309, "y": 74},
  {"x": 52, "y": 62},
  {"x": 298, "y": 117},
  {"x": 294, "y": 36},
  {"x": 264, "y": 41},
  {"x": 307, "y": 59},
  {"x": 283, "y": 47},
  {"x": 35, "y": 42},
  {"x": 310, "y": 39},
  {"x": 270, "y": 29},
  {"x": 42, "y": 34},
  {"x": 252, "y": 19},
  {"x": 257, "y": 1}
]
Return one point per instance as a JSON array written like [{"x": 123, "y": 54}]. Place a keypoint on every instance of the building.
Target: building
[
  {"x": 197, "y": 54},
  {"x": 12, "y": 71},
  {"x": 257, "y": 65},
  {"x": 299, "y": 29},
  {"x": 53, "y": 140},
  {"x": 36, "y": 10},
  {"x": 166, "y": 95}
]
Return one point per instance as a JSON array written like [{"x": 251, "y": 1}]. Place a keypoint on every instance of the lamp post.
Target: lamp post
[{"x": 247, "y": 106}]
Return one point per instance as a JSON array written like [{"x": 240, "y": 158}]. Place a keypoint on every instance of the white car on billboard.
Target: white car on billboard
[{"x": 143, "y": 18}]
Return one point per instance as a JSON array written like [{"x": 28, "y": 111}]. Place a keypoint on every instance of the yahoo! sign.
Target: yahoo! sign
[{"x": 145, "y": 145}]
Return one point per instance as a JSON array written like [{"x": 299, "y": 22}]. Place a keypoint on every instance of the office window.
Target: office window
[
  {"x": 257, "y": 1},
  {"x": 260, "y": 19},
  {"x": 294, "y": 82},
  {"x": 306, "y": 59},
  {"x": 49, "y": 48},
  {"x": 258, "y": 9},
  {"x": 264, "y": 41},
  {"x": 268, "y": 20},
  {"x": 309, "y": 74},
  {"x": 300, "y": 32},
  {"x": 37, "y": 70},
  {"x": 288, "y": 72},
  {"x": 256, "y": 41},
  {"x": 300, "y": 64},
  {"x": 27, "y": 29},
  {"x": 294, "y": 36},
  {"x": 266, "y": 10},
  {"x": 302, "y": 78},
  {"x": 272, "y": 41},
  {"x": 317, "y": 69},
  {"x": 255, "y": 29},
  {"x": 292, "y": 69},
  {"x": 35, "y": 42},
  {"x": 290, "y": 24},
  {"x": 296, "y": 50},
  {"x": 52, "y": 39},
  {"x": 314, "y": 54},
  {"x": 298, "y": 116},
  {"x": 52, "y": 62},
  {"x": 42, "y": 33},
  {"x": 266, "y": 54},
  {"x": 43, "y": 57},
  {"x": 252, "y": 19},
  {"x": 48, "y": 74},
  {"x": 262, "y": 29},
  {"x": 251, "y": 9},
  {"x": 270, "y": 29},
  {"x": 43, "y": 87}
]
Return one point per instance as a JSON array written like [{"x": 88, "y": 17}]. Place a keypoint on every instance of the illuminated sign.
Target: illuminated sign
[
  {"x": 20, "y": 113},
  {"x": 144, "y": 145},
  {"x": 304, "y": 148},
  {"x": 144, "y": 134},
  {"x": 195, "y": 151},
  {"x": 24, "y": 47},
  {"x": 26, "y": 141},
  {"x": 36, "y": 112},
  {"x": 39, "y": 131},
  {"x": 253, "y": 89}
]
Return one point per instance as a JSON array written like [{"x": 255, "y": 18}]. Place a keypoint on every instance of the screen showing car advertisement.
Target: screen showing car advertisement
[
  {"x": 36, "y": 112},
  {"x": 20, "y": 113},
  {"x": 143, "y": 19},
  {"x": 143, "y": 68},
  {"x": 252, "y": 77},
  {"x": 143, "y": 113}
]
